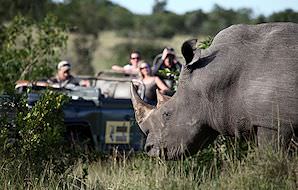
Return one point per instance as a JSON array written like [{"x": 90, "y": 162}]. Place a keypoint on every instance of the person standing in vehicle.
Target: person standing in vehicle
[
  {"x": 132, "y": 67},
  {"x": 168, "y": 60},
  {"x": 63, "y": 76},
  {"x": 167, "y": 68},
  {"x": 151, "y": 83}
]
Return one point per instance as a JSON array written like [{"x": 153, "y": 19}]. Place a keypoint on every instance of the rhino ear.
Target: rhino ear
[
  {"x": 190, "y": 51},
  {"x": 142, "y": 109},
  {"x": 161, "y": 98}
]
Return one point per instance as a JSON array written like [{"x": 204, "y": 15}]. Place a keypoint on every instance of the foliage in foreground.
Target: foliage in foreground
[
  {"x": 33, "y": 136},
  {"x": 224, "y": 165}
]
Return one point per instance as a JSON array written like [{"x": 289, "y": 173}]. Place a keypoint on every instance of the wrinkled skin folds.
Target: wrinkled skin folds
[{"x": 245, "y": 84}]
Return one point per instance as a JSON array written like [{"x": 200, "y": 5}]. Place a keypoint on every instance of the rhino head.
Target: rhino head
[{"x": 176, "y": 126}]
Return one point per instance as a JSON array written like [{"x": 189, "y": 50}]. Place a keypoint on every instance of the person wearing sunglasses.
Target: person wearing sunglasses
[
  {"x": 151, "y": 83},
  {"x": 132, "y": 67}
]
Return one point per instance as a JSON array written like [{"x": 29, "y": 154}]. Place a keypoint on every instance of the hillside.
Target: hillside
[{"x": 105, "y": 55}]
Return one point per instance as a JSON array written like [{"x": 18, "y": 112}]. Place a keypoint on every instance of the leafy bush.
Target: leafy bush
[
  {"x": 37, "y": 134},
  {"x": 206, "y": 43},
  {"x": 41, "y": 128},
  {"x": 172, "y": 75},
  {"x": 31, "y": 136},
  {"x": 29, "y": 51}
]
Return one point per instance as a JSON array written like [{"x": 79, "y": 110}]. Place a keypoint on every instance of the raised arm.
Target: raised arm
[{"x": 162, "y": 87}]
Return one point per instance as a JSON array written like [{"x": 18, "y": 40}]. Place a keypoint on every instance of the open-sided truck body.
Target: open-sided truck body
[{"x": 101, "y": 115}]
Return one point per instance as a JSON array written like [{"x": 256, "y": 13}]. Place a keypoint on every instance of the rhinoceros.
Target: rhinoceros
[{"x": 244, "y": 85}]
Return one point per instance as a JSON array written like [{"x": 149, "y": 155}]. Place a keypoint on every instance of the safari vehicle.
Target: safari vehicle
[{"x": 101, "y": 115}]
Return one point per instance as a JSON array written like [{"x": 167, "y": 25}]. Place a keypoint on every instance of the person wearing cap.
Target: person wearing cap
[
  {"x": 132, "y": 67},
  {"x": 151, "y": 84},
  {"x": 63, "y": 76}
]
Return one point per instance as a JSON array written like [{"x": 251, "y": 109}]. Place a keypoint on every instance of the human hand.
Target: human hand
[
  {"x": 164, "y": 54},
  {"x": 167, "y": 51}
]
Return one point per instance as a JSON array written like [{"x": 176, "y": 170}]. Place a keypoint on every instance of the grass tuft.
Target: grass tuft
[{"x": 220, "y": 166}]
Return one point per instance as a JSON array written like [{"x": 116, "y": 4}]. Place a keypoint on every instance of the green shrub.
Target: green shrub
[
  {"x": 37, "y": 134},
  {"x": 206, "y": 43},
  {"x": 29, "y": 50},
  {"x": 168, "y": 74},
  {"x": 41, "y": 128}
]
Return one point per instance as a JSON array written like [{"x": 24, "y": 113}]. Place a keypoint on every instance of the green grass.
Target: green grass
[
  {"x": 259, "y": 170},
  {"x": 264, "y": 169}
]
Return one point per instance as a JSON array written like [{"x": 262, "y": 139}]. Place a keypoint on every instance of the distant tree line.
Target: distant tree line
[
  {"x": 93, "y": 16},
  {"x": 86, "y": 19}
]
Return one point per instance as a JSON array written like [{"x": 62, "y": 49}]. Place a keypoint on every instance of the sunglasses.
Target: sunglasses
[
  {"x": 144, "y": 68},
  {"x": 135, "y": 58}
]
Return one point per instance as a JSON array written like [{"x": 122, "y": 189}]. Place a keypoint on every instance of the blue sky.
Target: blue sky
[{"x": 265, "y": 7}]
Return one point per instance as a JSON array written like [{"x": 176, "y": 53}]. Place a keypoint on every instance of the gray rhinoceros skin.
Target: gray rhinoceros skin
[{"x": 245, "y": 84}]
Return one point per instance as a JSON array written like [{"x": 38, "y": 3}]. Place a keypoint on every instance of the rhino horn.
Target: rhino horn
[
  {"x": 161, "y": 98},
  {"x": 142, "y": 109},
  {"x": 190, "y": 51}
]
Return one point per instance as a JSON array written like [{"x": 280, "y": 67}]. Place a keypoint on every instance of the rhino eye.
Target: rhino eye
[{"x": 166, "y": 115}]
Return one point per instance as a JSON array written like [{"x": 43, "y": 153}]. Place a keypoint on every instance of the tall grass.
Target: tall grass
[{"x": 217, "y": 167}]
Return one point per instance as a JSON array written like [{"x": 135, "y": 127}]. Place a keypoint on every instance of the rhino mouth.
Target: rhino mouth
[
  {"x": 152, "y": 151},
  {"x": 164, "y": 153},
  {"x": 156, "y": 151}
]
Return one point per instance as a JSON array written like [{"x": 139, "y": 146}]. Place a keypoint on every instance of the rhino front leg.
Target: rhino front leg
[{"x": 278, "y": 138}]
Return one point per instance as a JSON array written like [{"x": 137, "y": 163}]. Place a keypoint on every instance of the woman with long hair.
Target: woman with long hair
[{"x": 151, "y": 83}]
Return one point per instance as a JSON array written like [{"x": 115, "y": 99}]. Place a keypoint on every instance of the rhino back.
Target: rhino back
[{"x": 251, "y": 79}]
